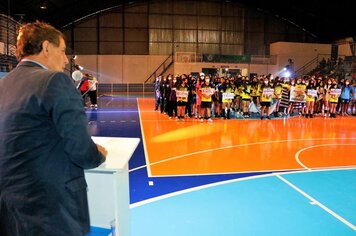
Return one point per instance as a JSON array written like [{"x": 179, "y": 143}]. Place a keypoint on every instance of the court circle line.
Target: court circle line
[
  {"x": 227, "y": 147},
  {"x": 314, "y": 146}
]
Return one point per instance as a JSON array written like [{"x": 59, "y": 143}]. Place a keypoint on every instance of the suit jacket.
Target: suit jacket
[{"x": 44, "y": 146}]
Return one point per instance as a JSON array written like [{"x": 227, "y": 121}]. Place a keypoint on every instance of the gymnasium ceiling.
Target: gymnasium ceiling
[{"x": 328, "y": 20}]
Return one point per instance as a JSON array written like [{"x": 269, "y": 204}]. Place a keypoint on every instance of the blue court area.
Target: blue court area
[{"x": 265, "y": 205}]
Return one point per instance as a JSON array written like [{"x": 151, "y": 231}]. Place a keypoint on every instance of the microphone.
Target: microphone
[{"x": 77, "y": 75}]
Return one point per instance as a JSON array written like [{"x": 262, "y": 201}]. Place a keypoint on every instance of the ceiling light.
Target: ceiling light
[{"x": 43, "y": 6}]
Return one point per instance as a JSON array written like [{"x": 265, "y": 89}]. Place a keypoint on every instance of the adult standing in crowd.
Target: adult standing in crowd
[
  {"x": 93, "y": 92},
  {"x": 84, "y": 89},
  {"x": 157, "y": 92},
  {"x": 44, "y": 141},
  {"x": 353, "y": 98}
]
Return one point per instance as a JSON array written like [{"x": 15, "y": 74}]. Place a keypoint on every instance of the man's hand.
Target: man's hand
[{"x": 102, "y": 150}]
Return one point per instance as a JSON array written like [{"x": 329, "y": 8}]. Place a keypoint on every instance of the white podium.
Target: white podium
[{"x": 108, "y": 186}]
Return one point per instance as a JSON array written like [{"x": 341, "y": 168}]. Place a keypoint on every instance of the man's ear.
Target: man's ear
[{"x": 45, "y": 47}]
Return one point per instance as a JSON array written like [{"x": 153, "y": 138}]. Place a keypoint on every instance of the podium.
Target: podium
[{"x": 108, "y": 186}]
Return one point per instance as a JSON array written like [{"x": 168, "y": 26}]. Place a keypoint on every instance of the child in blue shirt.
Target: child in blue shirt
[{"x": 345, "y": 97}]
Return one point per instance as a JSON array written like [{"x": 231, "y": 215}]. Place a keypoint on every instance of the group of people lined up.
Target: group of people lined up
[{"x": 187, "y": 95}]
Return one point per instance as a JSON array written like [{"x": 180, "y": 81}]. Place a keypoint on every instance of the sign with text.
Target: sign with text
[
  {"x": 182, "y": 94},
  {"x": 312, "y": 92},
  {"x": 207, "y": 91},
  {"x": 268, "y": 92},
  {"x": 228, "y": 96},
  {"x": 335, "y": 91}
]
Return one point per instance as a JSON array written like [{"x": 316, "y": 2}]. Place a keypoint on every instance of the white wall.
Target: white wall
[
  {"x": 120, "y": 68},
  {"x": 344, "y": 49},
  {"x": 300, "y": 53},
  {"x": 137, "y": 68}
]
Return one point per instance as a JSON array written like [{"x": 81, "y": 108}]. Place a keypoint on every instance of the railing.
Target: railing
[
  {"x": 315, "y": 66},
  {"x": 161, "y": 69},
  {"x": 265, "y": 60},
  {"x": 188, "y": 57},
  {"x": 143, "y": 89},
  {"x": 8, "y": 34},
  {"x": 193, "y": 57},
  {"x": 308, "y": 67},
  {"x": 7, "y": 62}
]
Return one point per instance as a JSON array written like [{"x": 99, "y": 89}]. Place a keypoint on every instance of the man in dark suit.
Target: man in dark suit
[{"x": 44, "y": 142}]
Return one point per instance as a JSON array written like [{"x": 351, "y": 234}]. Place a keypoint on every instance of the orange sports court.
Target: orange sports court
[{"x": 233, "y": 146}]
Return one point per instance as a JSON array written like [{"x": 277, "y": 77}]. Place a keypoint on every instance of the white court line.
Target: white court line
[
  {"x": 155, "y": 199},
  {"x": 110, "y": 111},
  {"x": 221, "y": 148},
  {"x": 230, "y": 173},
  {"x": 143, "y": 141},
  {"x": 112, "y": 99},
  {"x": 321, "y": 145},
  {"x": 188, "y": 190},
  {"x": 314, "y": 201},
  {"x": 284, "y": 171}
]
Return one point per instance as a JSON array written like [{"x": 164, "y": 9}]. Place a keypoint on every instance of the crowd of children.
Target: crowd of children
[{"x": 207, "y": 97}]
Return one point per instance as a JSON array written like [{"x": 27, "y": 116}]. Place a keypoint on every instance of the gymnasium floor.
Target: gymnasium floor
[{"x": 291, "y": 176}]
